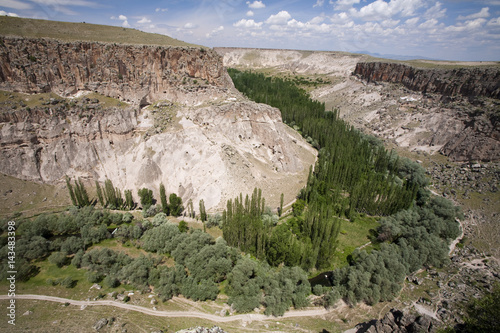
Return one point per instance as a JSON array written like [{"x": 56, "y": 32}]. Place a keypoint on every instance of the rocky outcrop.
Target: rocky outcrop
[
  {"x": 396, "y": 321},
  {"x": 211, "y": 152},
  {"x": 461, "y": 81},
  {"x": 138, "y": 74},
  {"x": 303, "y": 62}
]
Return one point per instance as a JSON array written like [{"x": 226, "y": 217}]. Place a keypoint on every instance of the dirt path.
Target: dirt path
[{"x": 178, "y": 314}]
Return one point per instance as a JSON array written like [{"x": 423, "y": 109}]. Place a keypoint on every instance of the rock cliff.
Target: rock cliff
[
  {"x": 138, "y": 74},
  {"x": 461, "y": 81},
  {"x": 198, "y": 136}
]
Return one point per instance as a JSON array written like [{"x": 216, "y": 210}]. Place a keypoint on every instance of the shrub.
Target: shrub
[{"x": 58, "y": 258}]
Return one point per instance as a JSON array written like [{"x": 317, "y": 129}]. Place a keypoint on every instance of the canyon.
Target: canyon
[
  {"x": 141, "y": 115},
  {"x": 450, "y": 109}
]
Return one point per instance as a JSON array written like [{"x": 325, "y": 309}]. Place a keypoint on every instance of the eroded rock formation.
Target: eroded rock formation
[
  {"x": 136, "y": 73},
  {"x": 461, "y": 81}
]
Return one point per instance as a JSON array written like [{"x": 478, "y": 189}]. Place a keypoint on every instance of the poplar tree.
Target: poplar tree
[
  {"x": 203, "y": 213},
  {"x": 163, "y": 199},
  {"x": 100, "y": 196}
]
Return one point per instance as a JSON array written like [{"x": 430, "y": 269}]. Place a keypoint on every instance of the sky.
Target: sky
[{"x": 448, "y": 29}]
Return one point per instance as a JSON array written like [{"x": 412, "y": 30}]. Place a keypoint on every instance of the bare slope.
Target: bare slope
[{"x": 66, "y": 31}]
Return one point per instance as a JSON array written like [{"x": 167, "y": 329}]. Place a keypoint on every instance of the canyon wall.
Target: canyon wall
[
  {"x": 138, "y": 74},
  {"x": 198, "y": 136},
  {"x": 467, "y": 82}
]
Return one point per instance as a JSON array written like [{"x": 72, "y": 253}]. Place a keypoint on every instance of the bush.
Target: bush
[
  {"x": 214, "y": 221},
  {"x": 93, "y": 277},
  {"x": 68, "y": 282},
  {"x": 127, "y": 218},
  {"x": 77, "y": 259},
  {"x": 111, "y": 282},
  {"x": 183, "y": 226},
  {"x": 150, "y": 211},
  {"x": 59, "y": 259}
]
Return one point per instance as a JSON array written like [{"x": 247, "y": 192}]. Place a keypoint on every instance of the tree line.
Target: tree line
[
  {"x": 354, "y": 173},
  {"x": 307, "y": 242},
  {"x": 111, "y": 197}
]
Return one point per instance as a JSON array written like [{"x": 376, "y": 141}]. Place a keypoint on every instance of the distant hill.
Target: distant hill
[
  {"x": 395, "y": 56},
  {"x": 66, "y": 31}
]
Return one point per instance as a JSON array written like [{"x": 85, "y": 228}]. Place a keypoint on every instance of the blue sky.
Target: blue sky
[{"x": 451, "y": 30}]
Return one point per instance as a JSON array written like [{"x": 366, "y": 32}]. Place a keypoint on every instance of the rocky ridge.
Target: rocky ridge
[
  {"x": 467, "y": 82},
  {"x": 139, "y": 74}
]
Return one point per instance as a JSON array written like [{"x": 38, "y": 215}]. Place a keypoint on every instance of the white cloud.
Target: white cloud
[
  {"x": 279, "y": 19},
  {"x": 250, "y": 13},
  {"x": 494, "y": 22},
  {"x": 161, "y": 10},
  {"x": 343, "y": 4},
  {"x": 389, "y": 23},
  {"x": 429, "y": 24},
  {"x": 317, "y": 20},
  {"x": 435, "y": 11},
  {"x": 15, "y": 4},
  {"x": 481, "y": 14},
  {"x": 251, "y": 24},
  {"x": 256, "y": 5},
  {"x": 319, "y": 3},
  {"x": 215, "y": 31},
  {"x": 380, "y": 10},
  {"x": 3, "y": 13},
  {"x": 144, "y": 21},
  {"x": 190, "y": 25},
  {"x": 467, "y": 25},
  {"x": 123, "y": 18},
  {"x": 412, "y": 21}
]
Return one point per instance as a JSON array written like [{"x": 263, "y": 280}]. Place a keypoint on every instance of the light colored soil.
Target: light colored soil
[{"x": 178, "y": 314}]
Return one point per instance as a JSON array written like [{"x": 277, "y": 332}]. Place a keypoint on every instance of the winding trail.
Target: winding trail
[{"x": 179, "y": 314}]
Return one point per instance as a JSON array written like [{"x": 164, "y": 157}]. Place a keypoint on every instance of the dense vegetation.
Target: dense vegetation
[
  {"x": 308, "y": 242},
  {"x": 355, "y": 174}
]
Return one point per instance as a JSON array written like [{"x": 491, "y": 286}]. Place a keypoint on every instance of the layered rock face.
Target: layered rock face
[
  {"x": 137, "y": 74},
  {"x": 462, "y": 81},
  {"x": 202, "y": 140},
  {"x": 463, "y": 121}
]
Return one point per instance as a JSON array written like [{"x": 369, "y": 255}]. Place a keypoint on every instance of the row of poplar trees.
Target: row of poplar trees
[{"x": 354, "y": 173}]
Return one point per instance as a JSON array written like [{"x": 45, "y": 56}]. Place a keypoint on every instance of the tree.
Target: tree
[
  {"x": 183, "y": 226},
  {"x": 298, "y": 207},
  {"x": 190, "y": 208},
  {"x": 163, "y": 199},
  {"x": 176, "y": 207},
  {"x": 129, "y": 200},
  {"x": 280, "y": 210},
  {"x": 483, "y": 315},
  {"x": 203, "y": 212},
  {"x": 100, "y": 196},
  {"x": 58, "y": 258},
  {"x": 146, "y": 196}
]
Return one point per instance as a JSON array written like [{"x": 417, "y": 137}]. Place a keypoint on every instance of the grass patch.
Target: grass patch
[
  {"x": 115, "y": 245},
  {"x": 353, "y": 235},
  {"x": 66, "y": 31},
  {"x": 8, "y": 98},
  {"x": 31, "y": 198}
]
